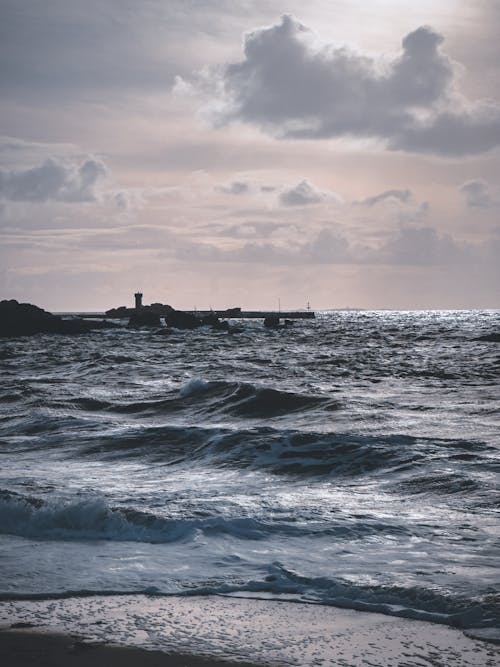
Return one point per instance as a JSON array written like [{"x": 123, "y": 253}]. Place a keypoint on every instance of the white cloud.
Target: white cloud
[{"x": 291, "y": 86}]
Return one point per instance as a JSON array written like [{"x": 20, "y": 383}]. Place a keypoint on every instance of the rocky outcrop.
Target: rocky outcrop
[
  {"x": 160, "y": 309},
  {"x": 181, "y": 320},
  {"x": 144, "y": 318},
  {"x": 213, "y": 321},
  {"x": 122, "y": 312},
  {"x": 149, "y": 316},
  {"x": 24, "y": 319}
]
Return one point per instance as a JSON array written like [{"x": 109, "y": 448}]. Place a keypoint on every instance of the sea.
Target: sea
[{"x": 351, "y": 460}]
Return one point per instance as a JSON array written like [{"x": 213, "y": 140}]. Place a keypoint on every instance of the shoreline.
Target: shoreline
[{"x": 214, "y": 631}]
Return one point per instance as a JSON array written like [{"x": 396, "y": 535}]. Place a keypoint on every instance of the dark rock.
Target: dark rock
[
  {"x": 103, "y": 324},
  {"x": 180, "y": 320},
  {"x": 231, "y": 312},
  {"x": 210, "y": 320},
  {"x": 120, "y": 312},
  {"x": 24, "y": 319},
  {"x": 160, "y": 309},
  {"x": 144, "y": 318},
  {"x": 213, "y": 321}
]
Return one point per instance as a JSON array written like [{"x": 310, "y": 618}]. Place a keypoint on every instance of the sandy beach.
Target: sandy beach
[{"x": 192, "y": 631}]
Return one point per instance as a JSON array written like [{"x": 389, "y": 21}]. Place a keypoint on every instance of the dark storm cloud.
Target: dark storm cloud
[
  {"x": 478, "y": 193},
  {"x": 292, "y": 87},
  {"x": 53, "y": 180}
]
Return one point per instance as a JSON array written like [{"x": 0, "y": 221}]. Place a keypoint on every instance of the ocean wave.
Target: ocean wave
[
  {"x": 279, "y": 451},
  {"x": 92, "y": 518},
  {"x": 248, "y": 400},
  {"x": 310, "y": 454},
  {"x": 235, "y": 399},
  {"x": 399, "y": 461},
  {"x": 445, "y": 483}
]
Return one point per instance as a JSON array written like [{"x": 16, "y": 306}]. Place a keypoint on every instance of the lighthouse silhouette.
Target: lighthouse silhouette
[{"x": 138, "y": 300}]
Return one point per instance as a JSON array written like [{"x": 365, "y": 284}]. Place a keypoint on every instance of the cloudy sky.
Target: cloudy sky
[{"x": 236, "y": 153}]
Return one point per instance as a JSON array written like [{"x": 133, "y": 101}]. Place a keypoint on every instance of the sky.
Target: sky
[{"x": 250, "y": 153}]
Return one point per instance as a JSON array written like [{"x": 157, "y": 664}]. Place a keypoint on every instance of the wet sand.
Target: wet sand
[
  {"x": 216, "y": 631},
  {"x": 21, "y": 648}
]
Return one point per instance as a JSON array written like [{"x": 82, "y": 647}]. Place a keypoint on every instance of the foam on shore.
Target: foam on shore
[{"x": 238, "y": 630}]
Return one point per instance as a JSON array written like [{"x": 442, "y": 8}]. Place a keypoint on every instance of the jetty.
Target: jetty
[
  {"x": 149, "y": 315},
  {"x": 164, "y": 310},
  {"x": 256, "y": 314},
  {"x": 220, "y": 314}
]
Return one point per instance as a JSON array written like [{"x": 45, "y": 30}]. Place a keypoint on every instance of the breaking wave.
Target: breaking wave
[
  {"x": 92, "y": 518},
  {"x": 234, "y": 399}
]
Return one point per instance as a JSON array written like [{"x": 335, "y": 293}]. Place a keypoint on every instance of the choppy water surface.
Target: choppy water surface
[{"x": 352, "y": 460}]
